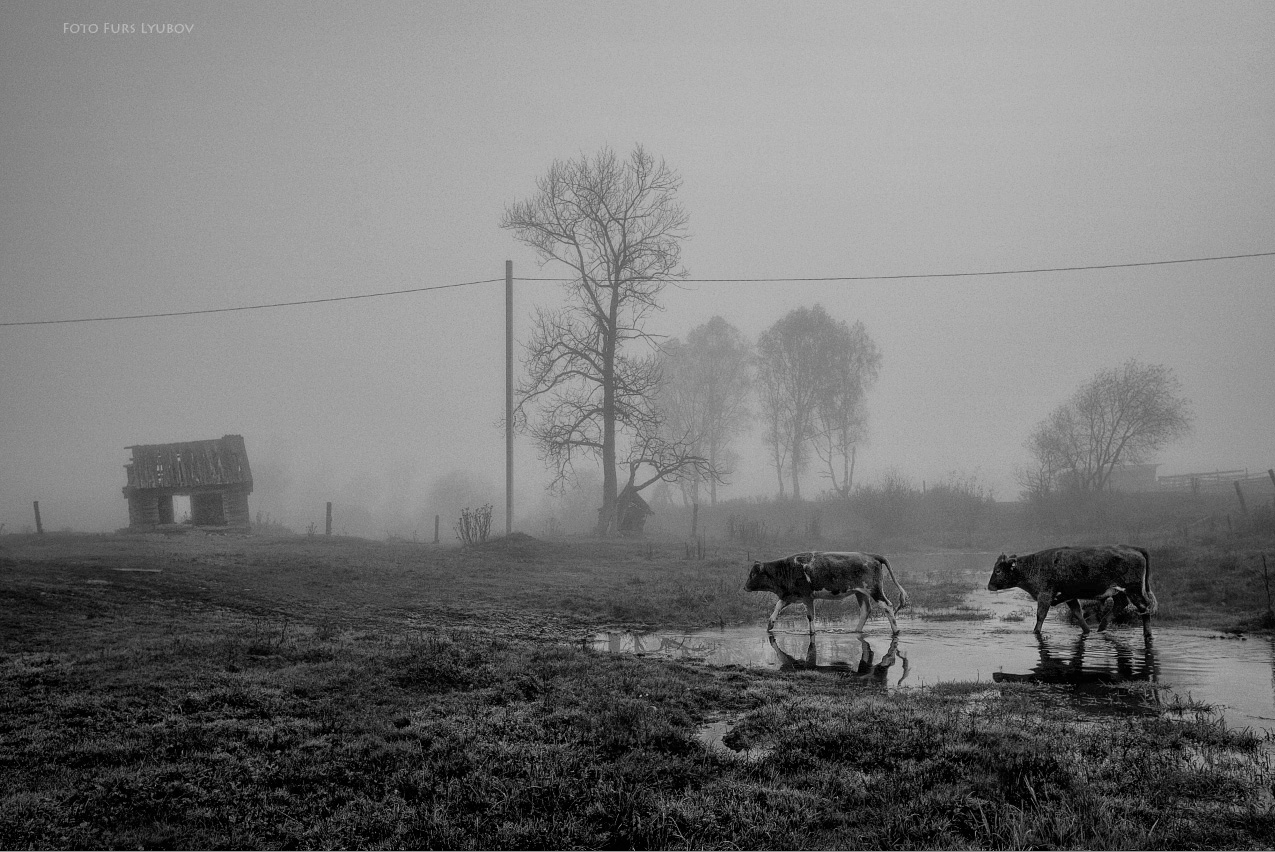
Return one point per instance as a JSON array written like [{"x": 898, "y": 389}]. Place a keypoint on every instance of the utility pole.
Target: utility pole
[{"x": 509, "y": 397}]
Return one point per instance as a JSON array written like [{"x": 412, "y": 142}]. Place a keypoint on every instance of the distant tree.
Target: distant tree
[
  {"x": 840, "y": 417},
  {"x": 812, "y": 371},
  {"x": 1121, "y": 416},
  {"x": 707, "y": 382},
  {"x": 591, "y": 369}
]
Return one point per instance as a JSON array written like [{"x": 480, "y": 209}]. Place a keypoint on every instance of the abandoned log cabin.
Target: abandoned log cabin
[{"x": 214, "y": 473}]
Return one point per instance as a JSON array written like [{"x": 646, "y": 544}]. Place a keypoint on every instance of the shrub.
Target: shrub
[{"x": 474, "y": 525}]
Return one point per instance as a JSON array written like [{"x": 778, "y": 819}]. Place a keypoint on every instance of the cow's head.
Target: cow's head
[
  {"x": 759, "y": 580},
  {"x": 1004, "y": 574}
]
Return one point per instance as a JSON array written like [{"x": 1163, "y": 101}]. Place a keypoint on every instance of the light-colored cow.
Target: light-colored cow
[{"x": 828, "y": 576}]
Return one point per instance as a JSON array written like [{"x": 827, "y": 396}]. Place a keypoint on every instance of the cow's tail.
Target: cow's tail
[
  {"x": 903, "y": 593},
  {"x": 1152, "y": 605}
]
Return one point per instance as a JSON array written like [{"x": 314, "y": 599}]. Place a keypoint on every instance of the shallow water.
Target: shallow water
[{"x": 1237, "y": 677}]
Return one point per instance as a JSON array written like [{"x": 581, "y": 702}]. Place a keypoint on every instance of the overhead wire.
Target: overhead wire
[
  {"x": 952, "y": 274},
  {"x": 257, "y": 307},
  {"x": 787, "y": 279}
]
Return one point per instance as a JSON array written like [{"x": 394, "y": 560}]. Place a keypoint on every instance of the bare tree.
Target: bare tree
[
  {"x": 591, "y": 367},
  {"x": 840, "y": 416},
  {"x": 1121, "y": 416},
  {"x": 813, "y": 371},
  {"x": 706, "y": 394}
]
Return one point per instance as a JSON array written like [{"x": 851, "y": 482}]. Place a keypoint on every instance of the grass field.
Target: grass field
[{"x": 245, "y": 692}]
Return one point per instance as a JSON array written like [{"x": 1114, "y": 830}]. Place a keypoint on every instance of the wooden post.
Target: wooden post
[
  {"x": 1239, "y": 492},
  {"x": 39, "y": 527},
  {"x": 1266, "y": 579},
  {"x": 509, "y": 397},
  {"x": 328, "y": 527},
  {"x": 436, "y": 529}
]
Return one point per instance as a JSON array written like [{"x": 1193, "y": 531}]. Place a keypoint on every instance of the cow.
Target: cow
[
  {"x": 830, "y": 576},
  {"x": 1111, "y": 573}
]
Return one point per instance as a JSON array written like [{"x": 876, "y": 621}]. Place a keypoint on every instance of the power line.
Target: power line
[
  {"x": 952, "y": 274},
  {"x": 256, "y": 307},
  {"x": 789, "y": 279}
]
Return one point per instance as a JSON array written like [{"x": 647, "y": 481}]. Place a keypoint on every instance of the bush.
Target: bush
[{"x": 474, "y": 525}]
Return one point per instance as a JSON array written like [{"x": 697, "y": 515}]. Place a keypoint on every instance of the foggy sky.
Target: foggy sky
[{"x": 288, "y": 151}]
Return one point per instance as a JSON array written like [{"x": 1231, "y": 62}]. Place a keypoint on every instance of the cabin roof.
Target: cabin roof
[{"x": 190, "y": 464}]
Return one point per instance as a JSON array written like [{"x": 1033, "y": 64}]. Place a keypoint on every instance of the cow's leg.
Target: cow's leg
[
  {"x": 1043, "y": 600},
  {"x": 1076, "y": 610},
  {"x": 879, "y": 595},
  {"x": 1144, "y": 610},
  {"x": 865, "y": 607},
  {"x": 774, "y": 616},
  {"x": 1143, "y": 606},
  {"x": 1104, "y": 614},
  {"x": 810, "y": 614}
]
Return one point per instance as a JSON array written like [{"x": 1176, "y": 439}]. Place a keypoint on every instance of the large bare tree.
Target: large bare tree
[
  {"x": 706, "y": 392},
  {"x": 813, "y": 371},
  {"x": 592, "y": 372},
  {"x": 1121, "y": 416}
]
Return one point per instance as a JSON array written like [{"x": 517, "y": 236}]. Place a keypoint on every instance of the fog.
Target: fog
[{"x": 247, "y": 154}]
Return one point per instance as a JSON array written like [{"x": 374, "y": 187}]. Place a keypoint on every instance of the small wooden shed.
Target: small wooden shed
[
  {"x": 632, "y": 511},
  {"x": 214, "y": 474}
]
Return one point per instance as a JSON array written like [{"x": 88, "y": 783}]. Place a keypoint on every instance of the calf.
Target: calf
[
  {"x": 1109, "y": 574},
  {"x": 836, "y": 576}
]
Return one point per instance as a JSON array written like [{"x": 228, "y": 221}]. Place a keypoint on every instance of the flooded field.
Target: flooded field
[{"x": 996, "y": 644}]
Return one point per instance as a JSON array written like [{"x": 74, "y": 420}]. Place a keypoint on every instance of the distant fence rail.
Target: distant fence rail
[{"x": 1198, "y": 481}]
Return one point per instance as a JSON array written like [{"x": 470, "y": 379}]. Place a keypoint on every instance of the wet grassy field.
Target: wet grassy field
[{"x": 246, "y": 692}]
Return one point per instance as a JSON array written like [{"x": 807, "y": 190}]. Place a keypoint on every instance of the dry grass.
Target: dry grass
[{"x": 315, "y": 693}]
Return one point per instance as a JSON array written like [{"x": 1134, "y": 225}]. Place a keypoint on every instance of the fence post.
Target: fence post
[
  {"x": 1239, "y": 492},
  {"x": 39, "y": 527},
  {"x": 328, "y": 526},
  {"x": 436, "y": 529}
]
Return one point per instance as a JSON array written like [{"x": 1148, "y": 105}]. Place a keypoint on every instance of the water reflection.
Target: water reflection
[
  {"x": 1112, "y": 661},
  {"x": 863, "y": 668},
  {"x": 1236, "y": 677}
]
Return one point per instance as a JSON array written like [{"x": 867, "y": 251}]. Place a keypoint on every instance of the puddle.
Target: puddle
[
  {"x": 1236, "y": 677},
  {"x": 713, "y": 736}
]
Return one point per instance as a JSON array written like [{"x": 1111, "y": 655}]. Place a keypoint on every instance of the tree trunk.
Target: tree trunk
[
  {"x": 796, "y": 466},
  {"x": 712, "y": 483},
  {"x": 610, "y": 485}
]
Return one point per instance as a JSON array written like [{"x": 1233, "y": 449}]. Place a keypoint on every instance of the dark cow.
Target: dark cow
[
  {"x": 1111, "y": 573},
  {"x": 836, "y": 576}
]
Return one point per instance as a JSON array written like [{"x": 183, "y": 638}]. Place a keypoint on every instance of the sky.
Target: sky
[{"x": 186, "y": 156}]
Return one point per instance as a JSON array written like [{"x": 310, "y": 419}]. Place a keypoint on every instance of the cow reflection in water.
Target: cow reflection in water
[
  {"x": 1099, "y": 676},
  {"x": 863, "y": 668},
  {"x": 653, "y": 643}
]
